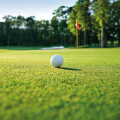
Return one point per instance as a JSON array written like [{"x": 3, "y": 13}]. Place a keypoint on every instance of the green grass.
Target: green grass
[{"x": 87, "y": 87}]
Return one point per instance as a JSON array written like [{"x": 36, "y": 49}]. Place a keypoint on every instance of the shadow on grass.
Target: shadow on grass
[
  {"x": 39, "y": 47},
  {"x": 19, "y": 48},
  {"x": 73, "y": 69},
  {"x": 29, "y": 48}
]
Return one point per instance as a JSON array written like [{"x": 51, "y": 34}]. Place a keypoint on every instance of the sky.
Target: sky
[{"x": 41, "y": 9}]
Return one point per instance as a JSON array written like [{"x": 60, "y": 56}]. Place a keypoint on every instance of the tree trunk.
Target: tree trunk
[
  {"x": 102, "y": 37},
  {"x": 100, "y": 41},
  {"x": 18, "y": 37},
  {"x": 31, "y": 37},
  {"x": 85, "y": 35},
  {"x": 118, "y": 34},
  {"x": 103, "y": 40},
  {"x": 63, "y": 39},
  {"x": 46, "y": 41},
  {"x": 112, "y": 43},
  {"x": 8, "y": 41},
  {"x": 119, "y": 42}
]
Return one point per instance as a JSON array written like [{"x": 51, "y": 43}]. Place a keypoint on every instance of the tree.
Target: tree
[
  {"x": 72, "y": 21},
  {"x": 62, "y": 14},
  {"x": 8, "y": 27},
  {"x": 19, "y": 25},
  {"x": 116, "y": 19},
  {"x": 2, "y": 35},
  {"x": 80, "y": 12},
  {"x": 55, "y": 32},
  {"x": 83, "y": 15},
  {"x": 30, "y": 23},
  {"x": 101, "y": 12},
  {"x": 45, "y": 31}
]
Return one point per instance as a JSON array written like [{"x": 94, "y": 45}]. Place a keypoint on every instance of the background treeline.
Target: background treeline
[{"x": 99, "y": 22}]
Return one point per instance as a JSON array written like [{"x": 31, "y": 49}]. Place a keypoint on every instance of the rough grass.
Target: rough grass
[{"x": 87, "y": 87}]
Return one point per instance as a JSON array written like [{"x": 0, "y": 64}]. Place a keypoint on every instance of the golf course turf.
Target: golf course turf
[{"x": 86, "y": 87}]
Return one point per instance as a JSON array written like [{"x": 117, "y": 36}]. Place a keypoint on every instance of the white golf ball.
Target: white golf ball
[{"x": 56, "y": 61}]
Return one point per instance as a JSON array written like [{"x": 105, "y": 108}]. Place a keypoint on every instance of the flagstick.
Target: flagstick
[{"x": 76, "y": 37}]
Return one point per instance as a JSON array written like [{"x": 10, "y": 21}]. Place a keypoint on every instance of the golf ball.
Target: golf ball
[{"x": 56, "y": 61}]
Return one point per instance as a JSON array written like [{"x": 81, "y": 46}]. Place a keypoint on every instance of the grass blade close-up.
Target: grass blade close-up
[{"x": 86, "y": 87}]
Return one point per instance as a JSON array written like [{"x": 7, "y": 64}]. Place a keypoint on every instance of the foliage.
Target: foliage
[
  {"x": 99, "y": 22},
  {"x": 63, "y": 12},
  {"x": 30, "y": 32},
  {"x": 72, "y": 21},
  {"x": 83, "y": 13}
]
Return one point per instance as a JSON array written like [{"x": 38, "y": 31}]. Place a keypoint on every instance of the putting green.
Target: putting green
[{"x": 86, "y": 87}]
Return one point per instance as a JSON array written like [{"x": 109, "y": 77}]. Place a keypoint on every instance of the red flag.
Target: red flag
[{"x": 77, "y": 25}]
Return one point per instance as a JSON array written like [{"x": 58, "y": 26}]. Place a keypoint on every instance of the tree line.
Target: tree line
[{"x": 99, "y": 22}]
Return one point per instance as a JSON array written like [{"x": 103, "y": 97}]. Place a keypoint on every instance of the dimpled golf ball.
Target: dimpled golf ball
[{"x": 56, "y": 61}]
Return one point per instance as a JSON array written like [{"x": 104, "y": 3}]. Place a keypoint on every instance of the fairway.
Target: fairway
[{"x": 86, "y": 87}]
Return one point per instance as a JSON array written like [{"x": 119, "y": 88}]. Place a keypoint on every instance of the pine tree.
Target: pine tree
[
  {"x": 80, "y": 12},
  {"x": 116, "y": 19},
  {"x": 72, "y": 21},
  {"x": 101, "y": 12},
  {"x": 83, "y": 15}
]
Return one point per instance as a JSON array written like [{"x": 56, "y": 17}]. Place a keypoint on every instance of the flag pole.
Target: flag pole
[
  {"x": 77, "y": 27},
  {"x": 76, "y": 37}
]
